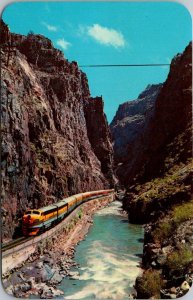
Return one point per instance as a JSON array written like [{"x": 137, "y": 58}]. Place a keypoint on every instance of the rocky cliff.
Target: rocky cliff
[
  {"x": 49, "y": 147},
  {"x": 160, "y": 193},
  {"x": 166, "y": 144},
  {"x": 152, "y": 139},
  {"x": 142, "y": 130},
  {"x": 99, "y": 131},
  {"x": 128, "y": 128}
]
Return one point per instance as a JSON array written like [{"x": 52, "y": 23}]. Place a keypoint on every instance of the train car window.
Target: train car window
[
  {"x": 36, "y": 212},
  {"x": 28, "y": 212}
]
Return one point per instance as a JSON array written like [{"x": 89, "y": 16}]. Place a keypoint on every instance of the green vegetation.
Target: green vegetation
[
  {"x": 182, "y": 213},
  {"x": 150, "y": 284},
  {"x": 45, "y": 244},
  {"x": 162, "y": 187},
  {"x": 73, "y": 222},
  {"x": 178, "y": 150},
  {"x": 180, "y": 259},
  {"x": 178, "y": 215},
  {"x": 162, "y": 232},
  {"x": 80, "y": 213}
]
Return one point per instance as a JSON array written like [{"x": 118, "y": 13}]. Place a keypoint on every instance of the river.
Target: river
[{"x": 108, "y": 258}]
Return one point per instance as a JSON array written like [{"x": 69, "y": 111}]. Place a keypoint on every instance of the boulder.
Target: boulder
[
  {"x": 39, "y": 265},
  {"x": 25, "y": 287},
  {"x": 161, "y": 259},
  {"x": 48, "y": 260},
  {"x": 173, "y": 290},
  {"x": 45, "y": 274},
  {"x": 46, "y": 293},
  {"x": 50, "y": 292},
  {"x": 9, "y": 289},
  {"x": 185, "y": 286},
  {"x": 172, "y": 296},
  {"x": 56, "y": 279},
  {"x": 73, "y": 275}
]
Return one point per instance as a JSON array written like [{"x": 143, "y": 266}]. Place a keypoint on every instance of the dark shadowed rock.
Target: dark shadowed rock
[
  {"x": 146, "y": 133},
  {"x": 166, "y": 148},
  {"x": 128, "y": 127}
]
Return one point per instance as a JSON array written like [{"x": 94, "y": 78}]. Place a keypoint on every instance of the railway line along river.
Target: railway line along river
[{"x": 108, "y": 258}]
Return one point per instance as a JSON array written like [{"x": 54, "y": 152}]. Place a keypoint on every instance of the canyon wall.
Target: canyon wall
[
  {"x": 144, "y": 130},
  {"x": 128, "y": 127},
  {"x": 158, "y": 183},
  {"x": 166, "y": 147},
  {"x": 98, "y": 130},
  {"x": 48, "y": 150}
]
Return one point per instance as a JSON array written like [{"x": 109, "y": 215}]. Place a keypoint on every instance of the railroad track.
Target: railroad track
[
  {"x": 23, "y": 239},
  {"x": 14, "y": 243}
]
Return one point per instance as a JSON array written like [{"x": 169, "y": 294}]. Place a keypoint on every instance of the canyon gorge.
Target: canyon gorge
[{"x": 56, "y": 142}]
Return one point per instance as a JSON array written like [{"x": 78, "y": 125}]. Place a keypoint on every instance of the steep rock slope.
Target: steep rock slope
[
  {"x": 47, "y": 152},
  {"x": 172, "y": 120},
  {"x": 167, "y": 146},
  {"x": 99, "y": 131},
  {"x": 128, "y": 128},
  {"x": 161, "y": 191},
  {"x": 142, "y": 129}
]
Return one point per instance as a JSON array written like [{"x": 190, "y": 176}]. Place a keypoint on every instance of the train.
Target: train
[{"x": 37, "y": 221}]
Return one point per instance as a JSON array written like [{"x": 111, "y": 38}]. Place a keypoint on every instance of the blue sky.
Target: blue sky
[{"x": 109, "y": 33}]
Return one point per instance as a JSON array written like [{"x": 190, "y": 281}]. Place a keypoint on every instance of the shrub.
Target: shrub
[
  {"x": 182, "y": 213},
  {"x": 179, "y": 259},
  {"x": 80, "y": 213},
  {"x": 163, "y": 231},
  {"x": 178, "y": 215},
  {"x": 150, "y": 284}
]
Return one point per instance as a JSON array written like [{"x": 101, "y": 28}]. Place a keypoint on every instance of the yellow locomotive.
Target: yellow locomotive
[{"x": 36, "y": 221}]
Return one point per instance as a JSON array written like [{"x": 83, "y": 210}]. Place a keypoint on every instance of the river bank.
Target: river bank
[
  {"x": 53, "y": 259},
  {"x": 168, "y": 256},
  {"x": 165, "y": 205}
]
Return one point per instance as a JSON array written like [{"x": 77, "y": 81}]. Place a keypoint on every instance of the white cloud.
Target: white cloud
[
  {"x": 106, "y": 36},
  {"x": 63, "y": 44},
  {"x": 50, "y": 27}
]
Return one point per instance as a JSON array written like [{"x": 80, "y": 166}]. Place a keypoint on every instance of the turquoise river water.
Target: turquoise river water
[{"x": 109, "y": 258}]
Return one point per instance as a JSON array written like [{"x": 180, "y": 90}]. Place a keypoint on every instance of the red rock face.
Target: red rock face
[
  {"x": 47, "y": 152},
  {"x": 99, "y": 131}
]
